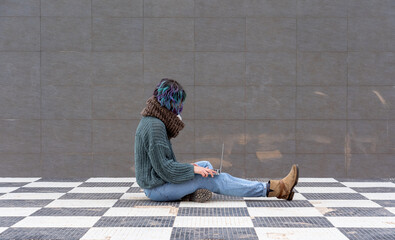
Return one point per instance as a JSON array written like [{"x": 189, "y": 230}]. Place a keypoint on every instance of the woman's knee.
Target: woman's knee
[
  {"x": 207, "y": 163},
  {"x": 204, "y": 164}
]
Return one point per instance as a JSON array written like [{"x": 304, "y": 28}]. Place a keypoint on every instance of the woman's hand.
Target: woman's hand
[{"x": 203, "y": 171}]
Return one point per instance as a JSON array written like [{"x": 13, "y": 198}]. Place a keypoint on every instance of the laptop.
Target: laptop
[{"x": 220, "y": 165}]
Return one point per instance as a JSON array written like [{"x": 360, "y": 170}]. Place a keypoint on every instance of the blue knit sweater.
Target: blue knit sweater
[{"x": 155, "y": 162}]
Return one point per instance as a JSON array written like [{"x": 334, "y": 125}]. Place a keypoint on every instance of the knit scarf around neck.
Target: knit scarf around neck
[{"x": 173, "y": 124}]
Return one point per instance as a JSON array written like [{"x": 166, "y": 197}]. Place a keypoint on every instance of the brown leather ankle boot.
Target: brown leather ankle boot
[{"x": 282, "y": 188}]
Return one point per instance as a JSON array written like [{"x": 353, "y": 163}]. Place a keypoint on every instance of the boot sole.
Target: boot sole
[
  {"x": 291, "y": 195},
  {"x": 201, "y": 195}
]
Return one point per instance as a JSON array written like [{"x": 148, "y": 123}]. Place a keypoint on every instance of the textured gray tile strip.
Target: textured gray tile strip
[
  {"x": 373, "y": 189},
  {"x": 132, "y": 203},
  {"x": 43, "y": 189},
  {"x": 43, "y": 233},
  {"x": 291, "y": 222},
  {"x": 278, "y": 203},
  {"x": 334, "y": 196},
  {"x": 70, "y": 212},
  {"x": 106, "y": 184},
  {"x": 369, "y": 233},
  {"x": 25, "y": 203},
  {"x": 359, "y": 179},
  {"x": 91, "y": 196},
  {"x": 357, "y": 212},
  {"x": 158, "y": 221},
  {"x": 46, "y": 179},
  {"x": 134, "y": 190},
  {"x": 385, "y": 203},
  {"x": 13, "y": 184},
  {"x": 320, "y": 184},
  {"x": 213, "y": 233},
  {"x": 221, "y": 197},
  {"x": 228, "y": 212},
  {"x": 9, "y": 221}
]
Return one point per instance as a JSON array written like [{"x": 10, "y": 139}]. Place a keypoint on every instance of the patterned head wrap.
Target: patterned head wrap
[{"x": 171, "y": 95}]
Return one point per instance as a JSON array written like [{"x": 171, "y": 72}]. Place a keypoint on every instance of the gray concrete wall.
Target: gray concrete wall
[{"x": 280, "y": 82}]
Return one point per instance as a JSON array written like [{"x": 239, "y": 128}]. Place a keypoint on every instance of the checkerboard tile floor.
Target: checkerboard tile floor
[{"x": 117, "y": 208}]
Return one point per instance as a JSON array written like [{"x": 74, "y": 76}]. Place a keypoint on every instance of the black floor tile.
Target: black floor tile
[
  {"x": 25, "y": 203},
  {"x": 9, "y": 221},
  {"x": 132, "y": 203},
  {"x": 213, "y": 233},
  {"x": 91, "y": 196},
  {"x": 214, "y": 212},
  {"x": 334, "y": 196},
  {"x": 373, "y": 189},
  {"x": 43, "y": 189},
  {"x": 152, "y": 221},
  {"x": 70, "y": 212},
  {"x": 106, "y": 184},
  {"x": 357, "y": 212},
  {"x": 43, "y": 233},
  {"x": 291, "y": 222},
  {"x": 369, "y": 233},
  {"x": 48, "y": 179},
  {"x": 385, "y": 203},
  {"x": 278, "y": 203}
]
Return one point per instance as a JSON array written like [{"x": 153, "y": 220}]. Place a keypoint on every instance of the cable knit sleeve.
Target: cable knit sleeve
[
  {"x": 160, "y": 154},
  {"x": 167, "y": 168}
]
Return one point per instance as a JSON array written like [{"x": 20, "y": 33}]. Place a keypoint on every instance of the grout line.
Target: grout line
[
  {"x": 245, "y": 98},
  {"x": 91, "y": 88},
  {"x": 219, "y": 119},
  {"x": 230, "y": 51},
  {"x": 194, "y": 84},
  {"x": 294, "y": 160},
  {"x": 41, "y": 128},
  {"x": 346, "y": 156}
]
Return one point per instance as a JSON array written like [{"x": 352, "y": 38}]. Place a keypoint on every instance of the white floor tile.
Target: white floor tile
[
  {"x": 57, "y": 221},
  {"x": 316, "y": 180},
  {"x": 344, "y": 203},
  {"x": 17, "y": 179},
  {"x": 380, "y": 196},
  {"x": 300, "y": 233},
  {"x": 31, "y": 195},
  {"x": 99, "y": 190},
  {"x": 121, "y": 233},
  {"x": 324, "y": 190},
  {"x": 143, "y": 211},
  {"x": 368, "y": 184},
  {"x": 363, "y": 222},
  {"x": 134, "y": 196},
  {"x": 7, "y": 189},
  {"x": 283, "y": 212},
  {"x": 194, "y": 221},
  {"x": 135, "y": 184},
  {"x": 212, "y": 204},
  {"x": 324, "y": 210},
  {"x": 66, "y": 203},
  {"x": 299, "y": 196},
  {"x": 53, "y": 184},
  {"x": 112, "y": 179},
  {"x": 17, "y": 211}
]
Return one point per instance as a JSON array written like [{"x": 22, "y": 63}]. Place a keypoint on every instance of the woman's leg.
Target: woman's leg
[{"x": 223, "y": 183}]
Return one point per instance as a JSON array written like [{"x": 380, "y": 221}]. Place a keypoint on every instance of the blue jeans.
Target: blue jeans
[{"x": 223, "y": 183}]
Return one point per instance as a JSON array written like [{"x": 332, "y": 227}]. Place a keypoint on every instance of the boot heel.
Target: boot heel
[{"x": 291, "y": 196}]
